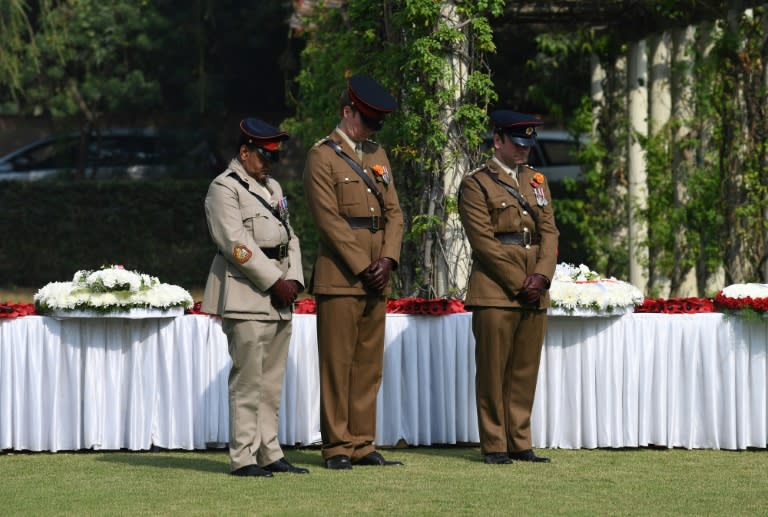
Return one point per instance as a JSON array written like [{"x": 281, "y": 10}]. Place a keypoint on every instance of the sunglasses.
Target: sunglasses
[
  {"x": 373, "y": 125},
  {"x": 272, "y": 156}
]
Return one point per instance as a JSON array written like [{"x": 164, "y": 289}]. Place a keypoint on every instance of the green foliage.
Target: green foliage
[
  {"x": 15, "y": 34},
  {"x": 407, "y": 46},
  {"x": 95, "y": 57}
]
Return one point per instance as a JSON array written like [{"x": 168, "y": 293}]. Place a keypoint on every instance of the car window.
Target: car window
[
  {"x": 534, "y": 157},
  {"x": 55, "y": 154},
  {"x": 559, "y": 152},
  {"x": 109, "y": 151}
]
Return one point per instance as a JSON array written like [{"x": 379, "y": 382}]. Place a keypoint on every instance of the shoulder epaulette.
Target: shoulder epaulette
[
  {"x": 475, "y": 171},
  {"x": 534, "y": 169},
  {"x": 320, "y": 142}
]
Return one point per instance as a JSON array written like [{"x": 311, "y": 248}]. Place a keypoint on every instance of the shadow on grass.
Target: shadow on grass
[
  {"x": 196, "y": 460},
  {"x": 172, "y": 459}
]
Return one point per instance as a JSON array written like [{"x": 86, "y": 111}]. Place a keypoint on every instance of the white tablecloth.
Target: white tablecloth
[{"x": 696, "y": 381}]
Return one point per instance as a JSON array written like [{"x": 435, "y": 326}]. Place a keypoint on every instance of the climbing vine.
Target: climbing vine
[{"x": 432, "y": 57}]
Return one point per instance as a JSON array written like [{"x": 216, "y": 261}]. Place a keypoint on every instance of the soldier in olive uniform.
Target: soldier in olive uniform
[
  {"x": 506, "y": 211},
  {"x": 351, "y": 193},
  {"x": 253, "y": 281}
]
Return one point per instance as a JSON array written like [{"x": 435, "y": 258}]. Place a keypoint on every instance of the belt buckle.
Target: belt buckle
[
  {"x": 526, "y": 238},
  {"x": 282, "y": 251},
  {"x": 375, "y": 223}
]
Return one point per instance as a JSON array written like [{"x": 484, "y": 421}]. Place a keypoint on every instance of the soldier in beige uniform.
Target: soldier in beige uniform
[
  {"x": 252, "y": 284},
  {"x": 351, "y": 193},
  {"x": 507, "y": 214}
]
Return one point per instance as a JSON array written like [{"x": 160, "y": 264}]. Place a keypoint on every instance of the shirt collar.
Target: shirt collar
[
  {"x": 511, "y": 172},
  {"x": 351, "y": 143}
]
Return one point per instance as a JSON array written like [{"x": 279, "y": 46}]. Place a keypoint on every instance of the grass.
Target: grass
[{"x": 434, "y": 481}]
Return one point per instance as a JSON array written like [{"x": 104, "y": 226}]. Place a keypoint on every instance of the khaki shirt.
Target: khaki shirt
[
  {"x": 240, "y": 225},
  {"x": 335, "y": 190},
  {"x": 486, "y": 208}
]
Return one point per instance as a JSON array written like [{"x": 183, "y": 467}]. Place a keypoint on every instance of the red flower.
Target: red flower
[{"x": 10, "y": 310}]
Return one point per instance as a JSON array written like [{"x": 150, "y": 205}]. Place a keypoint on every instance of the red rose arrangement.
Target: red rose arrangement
[
  {"x": 724, "y": 302},
  {"x": 10, "y": 310},
  {"x": 196, "y": 309},
  {"x": 676, "y": 305},
  {"x": 416, "y": 306}
]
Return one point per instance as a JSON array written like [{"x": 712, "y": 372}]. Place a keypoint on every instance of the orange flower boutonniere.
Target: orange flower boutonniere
[
  {"x": 538, "y": 180},
  {"x": 381, "y": 172}
]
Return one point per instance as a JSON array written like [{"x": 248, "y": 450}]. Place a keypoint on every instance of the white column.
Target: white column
[
  {"x": 596, "y": 91},
  {"x": 453, "y": 253},
  {"x": 637, "y": 105},
  {"x": 660, "y": 96}
]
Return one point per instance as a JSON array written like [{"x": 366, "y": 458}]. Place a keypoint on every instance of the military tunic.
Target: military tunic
[
  {"x": 508, "y": 334},
  {"x": 350, "y": 321},
  {"x": 237, "y": 289}
]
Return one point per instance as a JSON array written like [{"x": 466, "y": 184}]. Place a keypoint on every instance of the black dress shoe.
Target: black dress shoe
[
  {"x": 340, "y": 462},
  {"x": 498, "y": 458},
  {"x": 528, "y": 455},
  {"x": 252, "y": 471},
  {"x": 282, "y": 465},
  {"x": 374, "y": 458}
]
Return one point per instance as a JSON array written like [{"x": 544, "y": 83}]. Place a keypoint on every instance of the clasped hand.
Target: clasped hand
[
  {"x": 283, "y": 293},
  {"x": 376, "y": 276},
  {"x": 533, "y": 289}
]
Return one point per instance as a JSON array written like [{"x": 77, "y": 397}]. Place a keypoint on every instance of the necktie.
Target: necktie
[{"x": 359, "y": 151}]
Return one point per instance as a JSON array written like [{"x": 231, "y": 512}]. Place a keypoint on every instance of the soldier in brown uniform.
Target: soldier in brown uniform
[
  {"x": 351, "y": 193},
  {"x": 253, "y": 282},
  {"x": 506, "y": 211}
]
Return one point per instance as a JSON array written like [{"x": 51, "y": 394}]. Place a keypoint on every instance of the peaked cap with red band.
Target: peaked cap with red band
[
  {"x": 371, "y": 99},
  {"x": 261, "y": 134},
  {"x": 519, "y": 127}
]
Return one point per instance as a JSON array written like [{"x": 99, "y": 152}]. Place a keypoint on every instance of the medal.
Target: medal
[{"x": 282, "y": 207}]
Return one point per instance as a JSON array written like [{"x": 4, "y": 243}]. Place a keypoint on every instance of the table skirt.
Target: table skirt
[{"x": 693, "y": 381}]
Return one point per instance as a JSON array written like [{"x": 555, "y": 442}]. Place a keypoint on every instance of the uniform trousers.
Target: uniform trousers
[
  {"x": 259, "y": 350},
  {"x": 350, "y": 339},
  {"x": 508, "y": 346}
]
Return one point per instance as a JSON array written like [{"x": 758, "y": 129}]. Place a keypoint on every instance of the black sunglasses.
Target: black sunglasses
[
  {"x": 373, "y": 125},
  {"x": 272, "y": 156}
]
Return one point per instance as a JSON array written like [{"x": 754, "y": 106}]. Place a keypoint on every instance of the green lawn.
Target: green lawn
[{"x": 434, "y": 481}]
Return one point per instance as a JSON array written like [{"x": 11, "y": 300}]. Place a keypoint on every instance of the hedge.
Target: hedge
[{"x": 53, "y": 229}]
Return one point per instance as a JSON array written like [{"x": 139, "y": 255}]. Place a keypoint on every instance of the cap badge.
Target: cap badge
[
  {"x": 241, "y": 253},
  {"x": 529, "y": 130}
]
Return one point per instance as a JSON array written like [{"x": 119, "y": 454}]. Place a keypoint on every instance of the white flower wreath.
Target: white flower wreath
[
  {"x": 110, "y": 289},
  {"x": 581, "y": 291}
]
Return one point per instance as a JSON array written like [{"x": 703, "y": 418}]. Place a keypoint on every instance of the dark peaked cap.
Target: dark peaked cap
[
  {"x": 371, "y": 99},
  {"x": 261, "y": 134},
  {"x": 519, "y": 127}
]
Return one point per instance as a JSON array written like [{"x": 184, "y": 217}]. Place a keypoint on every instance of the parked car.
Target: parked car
[
  {"x": 134, "y": 154},
  {"x": 554, "y": 154}
]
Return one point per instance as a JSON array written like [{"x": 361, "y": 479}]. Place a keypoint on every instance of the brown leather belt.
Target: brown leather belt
[
  {"x": 519, "y": 238},
  {"x": 373, "y": 223},
  {"x": 276, "y": 253}
]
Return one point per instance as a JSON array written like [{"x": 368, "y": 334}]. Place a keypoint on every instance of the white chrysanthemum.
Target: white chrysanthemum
[
  {"x": 581, "y": 288},
  {"x": 167, "y": 295},
  {"x": 111, "y": 289},
  {"x": 746, "y": 291},
  {"x": 114, "y": 279}
]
